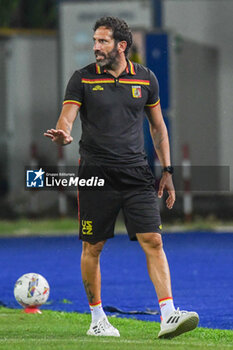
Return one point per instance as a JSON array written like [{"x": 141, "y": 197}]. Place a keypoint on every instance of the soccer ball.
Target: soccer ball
[{"x": 31, "y": 290}]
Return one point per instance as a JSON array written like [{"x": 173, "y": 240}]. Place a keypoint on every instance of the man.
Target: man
[{"x": 111, "y": 96}]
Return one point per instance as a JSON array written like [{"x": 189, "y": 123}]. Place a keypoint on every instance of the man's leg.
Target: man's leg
[
  {"x": 91, "y": 275},
  {"x": 157, "y": 263},
  {"x": 174, "y": 322},
  {"x": 90, "y": 268}
]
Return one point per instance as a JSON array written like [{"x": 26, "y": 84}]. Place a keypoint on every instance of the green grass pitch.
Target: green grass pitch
[{"x": 67, "y": 331}]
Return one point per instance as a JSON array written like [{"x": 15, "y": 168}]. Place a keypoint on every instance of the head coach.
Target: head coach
[{"x": 112, "y": 96}]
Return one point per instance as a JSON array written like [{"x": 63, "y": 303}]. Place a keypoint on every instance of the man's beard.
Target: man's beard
[{"x": 110, "y": 60}]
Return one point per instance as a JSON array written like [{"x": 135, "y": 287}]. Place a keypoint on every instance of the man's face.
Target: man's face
[{"x": 105, "y": 48}]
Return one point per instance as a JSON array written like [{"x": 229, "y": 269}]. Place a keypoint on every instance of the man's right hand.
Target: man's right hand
[{"x": 59, "y": 136}]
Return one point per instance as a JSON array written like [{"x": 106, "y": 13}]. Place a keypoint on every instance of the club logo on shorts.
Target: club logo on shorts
[
  {"x": 87, "y": 227},
  {"x": 137, "y": 91}
]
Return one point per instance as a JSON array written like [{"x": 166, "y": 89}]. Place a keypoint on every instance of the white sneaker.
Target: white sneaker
[
  {"x": 178, "y": 322},
  {"x": 103, "y": 328}
]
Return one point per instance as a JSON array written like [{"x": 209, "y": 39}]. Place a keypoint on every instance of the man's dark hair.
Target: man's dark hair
[{"x": 120, "y": 30}]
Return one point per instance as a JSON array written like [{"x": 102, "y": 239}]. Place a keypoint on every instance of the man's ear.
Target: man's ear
[{"x": 122, "y": 45}]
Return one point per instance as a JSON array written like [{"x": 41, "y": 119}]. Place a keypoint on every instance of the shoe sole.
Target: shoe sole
[
  {"x": 186, "y": 326},
  {"x": 102, "y": 335}
]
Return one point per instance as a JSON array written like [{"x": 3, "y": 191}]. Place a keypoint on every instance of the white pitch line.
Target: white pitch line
[
  {"x": 5, "y": 315},
  {"x": 112, "y": 341}
]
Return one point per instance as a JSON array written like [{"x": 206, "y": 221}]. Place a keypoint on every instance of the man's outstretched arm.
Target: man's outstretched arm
[{"x": 62, "y": 134}]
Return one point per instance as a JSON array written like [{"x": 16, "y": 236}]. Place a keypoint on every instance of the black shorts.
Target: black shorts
[{"x": 128, "y": 188}]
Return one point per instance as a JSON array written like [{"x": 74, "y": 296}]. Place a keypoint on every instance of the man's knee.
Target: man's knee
[
  {"x": 150, "y": 241},
  {"x": 93, "y": 250}
]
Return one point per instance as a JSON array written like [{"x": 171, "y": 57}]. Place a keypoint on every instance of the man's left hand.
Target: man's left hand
[{"x": 167, "y": 183}]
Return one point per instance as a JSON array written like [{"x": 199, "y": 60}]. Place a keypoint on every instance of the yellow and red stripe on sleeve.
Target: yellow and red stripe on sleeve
[
  {"x": 153, "y": 104},
  {"x": 73, "y": 102}
]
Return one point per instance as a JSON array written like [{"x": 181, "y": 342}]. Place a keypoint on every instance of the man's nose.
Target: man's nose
[{"x": 96, "y": 46}]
